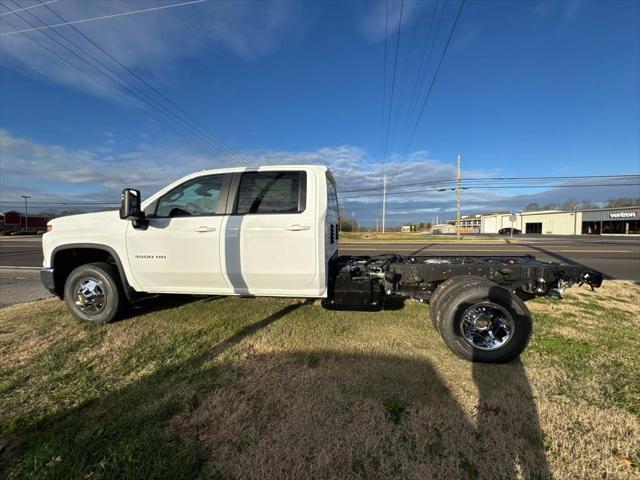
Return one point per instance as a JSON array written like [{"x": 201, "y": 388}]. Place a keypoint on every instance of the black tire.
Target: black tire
[
  {"x": 100, "y": 280},
  {"x": 445, "y": 290},
  {"x": 500, "y": 301}
]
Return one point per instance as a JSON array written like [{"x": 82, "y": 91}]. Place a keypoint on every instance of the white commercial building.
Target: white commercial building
[{"x": 624, "y": 220}]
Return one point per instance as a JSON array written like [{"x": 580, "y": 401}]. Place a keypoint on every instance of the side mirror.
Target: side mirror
[{"x": 130, "y": 205}]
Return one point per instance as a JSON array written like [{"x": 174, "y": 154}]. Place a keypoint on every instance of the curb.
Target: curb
[{"x": 9, "y": 267}]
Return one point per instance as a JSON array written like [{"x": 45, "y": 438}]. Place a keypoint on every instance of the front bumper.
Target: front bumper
[{"x": 48, "y": 280}]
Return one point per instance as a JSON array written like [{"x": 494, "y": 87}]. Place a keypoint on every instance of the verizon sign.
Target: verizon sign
[{"x": 623, "y": 215}]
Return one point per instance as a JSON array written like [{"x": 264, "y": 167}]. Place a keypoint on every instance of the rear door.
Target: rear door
[{"x": 270, "y": 240}]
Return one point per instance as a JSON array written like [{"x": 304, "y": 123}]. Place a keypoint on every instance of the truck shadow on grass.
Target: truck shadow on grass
[
  {"x": 303, "y": 414},
  {"x": 157, "y": 303}
]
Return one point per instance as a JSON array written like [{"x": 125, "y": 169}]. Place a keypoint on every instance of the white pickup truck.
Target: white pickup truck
[{"x": 273, "y": 231}]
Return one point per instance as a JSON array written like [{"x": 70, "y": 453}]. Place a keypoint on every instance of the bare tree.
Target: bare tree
[
  {"x": 532, "y": 207},
  {"x": 570, "y": 204},
  {"x": 623, "y": 202},
  {"x": 587, "y": 204}
]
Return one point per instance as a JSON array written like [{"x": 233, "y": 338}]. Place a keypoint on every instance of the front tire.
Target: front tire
[
  {"x": 93, "y": 294},
  {"x": 486, "y": 323}
]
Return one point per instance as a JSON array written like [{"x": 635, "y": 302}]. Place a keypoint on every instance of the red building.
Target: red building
[{"x": 13, "y": 220}]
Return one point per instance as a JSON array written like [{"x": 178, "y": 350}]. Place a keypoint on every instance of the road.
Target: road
[{"x": 616, "y": 257}]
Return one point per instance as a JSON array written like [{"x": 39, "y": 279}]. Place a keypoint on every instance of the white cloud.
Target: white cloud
[
  {"x": 372, "y": 18},
  {"x": 25, "y": 164},
  {"x": 568, "y": 9},
  {"x": 148, "y": 43},
  {"x": 97, "y": 173}
]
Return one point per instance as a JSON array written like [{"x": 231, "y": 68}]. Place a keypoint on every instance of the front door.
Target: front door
[
  {"x": 270, "y": 241},
  {"x": 180, "y": 250}
]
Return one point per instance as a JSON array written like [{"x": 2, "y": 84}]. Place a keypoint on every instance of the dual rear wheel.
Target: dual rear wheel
[{"x": 479, "y": 320}]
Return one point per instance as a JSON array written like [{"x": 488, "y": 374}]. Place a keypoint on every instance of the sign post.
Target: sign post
[{"x": 513, "y": 217}]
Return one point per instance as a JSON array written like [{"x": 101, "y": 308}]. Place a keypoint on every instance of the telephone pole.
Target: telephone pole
[
  {"x": 459, "y": 189},
  {"x": 384, "y": 199},
  {"x": 26, "y": 212}
]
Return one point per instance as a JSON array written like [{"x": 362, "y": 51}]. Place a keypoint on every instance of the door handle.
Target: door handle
[
  {"x": 203, "y": 229},
  {"x": 297, "y": 227}
]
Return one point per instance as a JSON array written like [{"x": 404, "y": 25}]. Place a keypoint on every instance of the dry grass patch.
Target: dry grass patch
[{"x": 272, "y": 388}]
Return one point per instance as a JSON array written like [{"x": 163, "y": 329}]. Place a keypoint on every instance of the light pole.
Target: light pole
[
  {"x": 384, "y": 200},
  {"x": 26, "y": 212},
  {"x": 458, "y": 202}
]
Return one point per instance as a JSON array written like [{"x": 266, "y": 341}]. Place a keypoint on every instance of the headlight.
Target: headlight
[{"x": 49, "y": 228}]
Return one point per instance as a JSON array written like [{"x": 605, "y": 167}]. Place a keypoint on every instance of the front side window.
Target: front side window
[
  {"x": 196, "y": 197},
  {"x": 271, "y": 192}
]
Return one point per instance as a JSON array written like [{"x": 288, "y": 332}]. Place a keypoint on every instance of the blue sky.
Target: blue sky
[{"x": 526, "y": 88}]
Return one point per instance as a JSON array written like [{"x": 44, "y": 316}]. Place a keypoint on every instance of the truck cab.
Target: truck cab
[{"x": 240, "y": 231}]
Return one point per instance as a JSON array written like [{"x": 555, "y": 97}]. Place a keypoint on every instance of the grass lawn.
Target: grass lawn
[{"x": 269, "y": 388}]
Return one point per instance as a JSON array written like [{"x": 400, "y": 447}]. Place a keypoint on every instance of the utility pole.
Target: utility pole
[
  {"x": 26, "y": 212},
  {"x": 384, "y": 200},
  {"x": 377, "y": 221},
  {"x": 458, "y": 201}
]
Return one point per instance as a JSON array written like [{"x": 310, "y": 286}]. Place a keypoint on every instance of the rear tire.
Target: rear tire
[
  {"x": 446, "y": 290},
  {"x": 93, "y": 293},
  {"x": 485, "y": 323}
]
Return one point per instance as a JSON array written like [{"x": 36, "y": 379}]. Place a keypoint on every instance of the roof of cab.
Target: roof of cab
[{"x": 321, "y": 168}]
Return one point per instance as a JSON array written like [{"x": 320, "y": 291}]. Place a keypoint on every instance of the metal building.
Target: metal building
[
  {"x": 611, "y": 220},
  {"x": 622, "y": 221}
]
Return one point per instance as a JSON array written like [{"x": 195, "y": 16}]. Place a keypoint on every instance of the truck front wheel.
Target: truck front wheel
[
  {"x": 92, "y": 292},
  {"x": 486, "y": 323}
]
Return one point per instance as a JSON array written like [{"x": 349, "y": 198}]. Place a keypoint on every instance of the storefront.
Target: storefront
[{"x": 611, "y": 221}]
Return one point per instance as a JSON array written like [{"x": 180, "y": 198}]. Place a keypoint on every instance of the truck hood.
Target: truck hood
[{"x": 86, "y": 220}]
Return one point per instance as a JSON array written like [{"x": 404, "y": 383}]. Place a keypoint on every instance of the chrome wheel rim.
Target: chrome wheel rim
[
  {"x": 487, "y": 326},
  {"x": 90, "y": 296}
]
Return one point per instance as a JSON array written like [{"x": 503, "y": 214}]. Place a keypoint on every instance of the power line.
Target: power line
[
  {"x": 393, "y": 84},
  {"x": 442, "y": 188},
  {"x": 84, "y": 20},
  {"x": 477, "y": 180},
  {"x": 491, "y": 187},
  {"x": 384, "y": 97},
  {"x": 405, "y": 72},
  {"x": 119, "y": 80},
  {"x": 435, "y": 76},
  {"x": 27, "y": 8},
  {"x": 384, "y": 81},
  {"x": 92, "y": 77},
  {"x": 421, "y": 74},
  {"x": 189, "y": 118}
]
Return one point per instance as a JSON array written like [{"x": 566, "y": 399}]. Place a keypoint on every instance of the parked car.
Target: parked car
[
  {"x": 507, "y": 231},
  {"x": 273, "y": 231}
]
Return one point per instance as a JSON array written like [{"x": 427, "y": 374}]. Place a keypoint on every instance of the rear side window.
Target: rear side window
[
  {"x": 332, "y": 197},
  {"x": 272, "y": 192}
]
